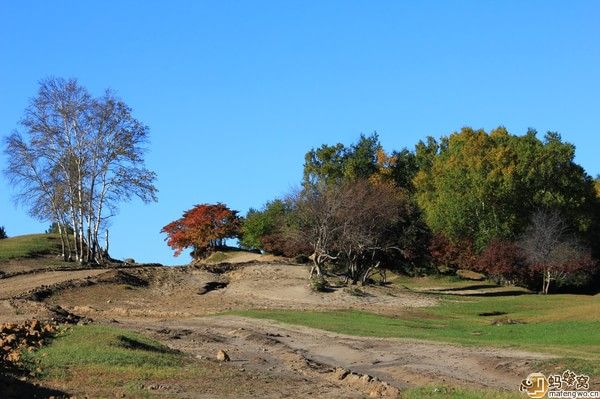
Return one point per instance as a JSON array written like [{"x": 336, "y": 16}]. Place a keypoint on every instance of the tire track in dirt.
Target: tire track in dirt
[{"x": 400, "y": 362}]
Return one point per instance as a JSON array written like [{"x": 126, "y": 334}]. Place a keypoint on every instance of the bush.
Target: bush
[
  {"x": 2, "y": 233},
  {"x": 503, "y": 261},
  {"x": 319, "y": 284},
  {"x": 449, "y": 256}
]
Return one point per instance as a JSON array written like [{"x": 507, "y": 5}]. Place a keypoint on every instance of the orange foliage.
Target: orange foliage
[{"x": 203, "y": 227}]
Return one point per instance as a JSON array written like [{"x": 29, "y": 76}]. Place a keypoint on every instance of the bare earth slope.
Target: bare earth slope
[
  {"x": 178, "y": 305},
  {"x": 11, "y": 287}
]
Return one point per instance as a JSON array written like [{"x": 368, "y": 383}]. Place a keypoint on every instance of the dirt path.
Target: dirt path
[
  {"x": 11, "y": 287},
  {"x": 273, "y": 347}
]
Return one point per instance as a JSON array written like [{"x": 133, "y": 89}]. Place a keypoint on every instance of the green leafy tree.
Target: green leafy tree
[
  {"x": 478, "y": 186},
  {"x": 404, "y": 168},
  {"x": 274, "y": 229},
  {"x": 3, "y": 233},
  {"x": 334, "y": 163}
]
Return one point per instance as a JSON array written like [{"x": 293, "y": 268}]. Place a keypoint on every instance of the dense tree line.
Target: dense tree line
[
  {"x": 516, "y": 207},
  {"x": 355, "y": 212}
]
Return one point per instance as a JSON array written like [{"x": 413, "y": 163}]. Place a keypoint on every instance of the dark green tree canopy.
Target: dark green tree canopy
[{"x": 333, "y": 163}]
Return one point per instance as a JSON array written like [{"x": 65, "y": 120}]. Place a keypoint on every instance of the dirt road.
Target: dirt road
[{"x": 273, "y": 347}]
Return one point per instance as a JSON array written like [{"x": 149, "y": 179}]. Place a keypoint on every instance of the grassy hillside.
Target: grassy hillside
[{"x": 28, "y": 246}]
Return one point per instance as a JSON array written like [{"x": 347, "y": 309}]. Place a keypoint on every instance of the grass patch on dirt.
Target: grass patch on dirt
[
  {"x": 456, "y": 393},
  {"x": 102, "y": 360},
  {"x": 564, "y": 325},
  {"x": 28, "y": 246}
]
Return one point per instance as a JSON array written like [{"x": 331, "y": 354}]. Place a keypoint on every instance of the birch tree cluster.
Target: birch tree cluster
[{"x": 73, "y": 159}]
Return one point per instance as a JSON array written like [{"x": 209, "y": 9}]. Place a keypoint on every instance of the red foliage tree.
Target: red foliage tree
[
  {"x": 204, "y": 227},
  {"x": 447, "y": 255},
  {"x": 504, "y": 262}
]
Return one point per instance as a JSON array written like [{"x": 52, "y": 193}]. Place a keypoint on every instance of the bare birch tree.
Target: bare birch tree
[{"x": 75, "y": 158}]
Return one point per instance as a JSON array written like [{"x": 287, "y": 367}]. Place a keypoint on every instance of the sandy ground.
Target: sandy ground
[{"x": 178, "y": 305}]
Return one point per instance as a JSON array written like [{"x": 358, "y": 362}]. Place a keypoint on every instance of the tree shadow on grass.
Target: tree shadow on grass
[
  {"x": 486, "y": 293},
  {"x": 134, "y": 344},
  {"x": 13, "y": 388},
  {"x": 469, "y": 287}
]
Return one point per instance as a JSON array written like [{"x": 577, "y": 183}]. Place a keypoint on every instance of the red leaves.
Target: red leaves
[
  {"x": 451, "y": 255},
  {"x": 504, "y": 261},
  {"x": 202, "y": 227}
]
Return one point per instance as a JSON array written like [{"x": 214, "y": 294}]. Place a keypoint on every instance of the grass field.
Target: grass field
[
  {"x": 565, "y": 325},
  {"x": 29, "y": 246},
  {"x": 106, "y": 360}
]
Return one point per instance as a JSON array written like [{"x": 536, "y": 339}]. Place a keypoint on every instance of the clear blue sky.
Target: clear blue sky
[{"x": 236, "y": 92}]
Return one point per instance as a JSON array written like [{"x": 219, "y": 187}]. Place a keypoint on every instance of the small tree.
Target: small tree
[
  {"x": 2, "y": 233},
  {"x": 551, "y": 251},
  {"x": 204, "y": 228}
]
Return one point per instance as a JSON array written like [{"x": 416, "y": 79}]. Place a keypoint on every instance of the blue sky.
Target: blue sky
[{"x": 236, "y": 92}]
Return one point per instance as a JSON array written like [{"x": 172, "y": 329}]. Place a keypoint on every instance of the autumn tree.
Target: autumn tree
[
  {"x": 203, "y": 228},
  {"x": 75, "y": 158}
]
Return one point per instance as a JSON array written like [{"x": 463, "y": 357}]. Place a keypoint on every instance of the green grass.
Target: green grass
[
  {"x": 103, "y": 359},
  {"x": 29, "y": 246},
  {"x": 433, "y": 281},
  {"x": 565, "y": 325},
  {"x": 217, "y": 257},
  {"x": 456, "y": 393}
]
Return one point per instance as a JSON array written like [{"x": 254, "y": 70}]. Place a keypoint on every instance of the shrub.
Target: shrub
[
  {"x": 503, "y": 261},
  {"x": 319, "y": 284},
  {"x": 449, "y": 256}
]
